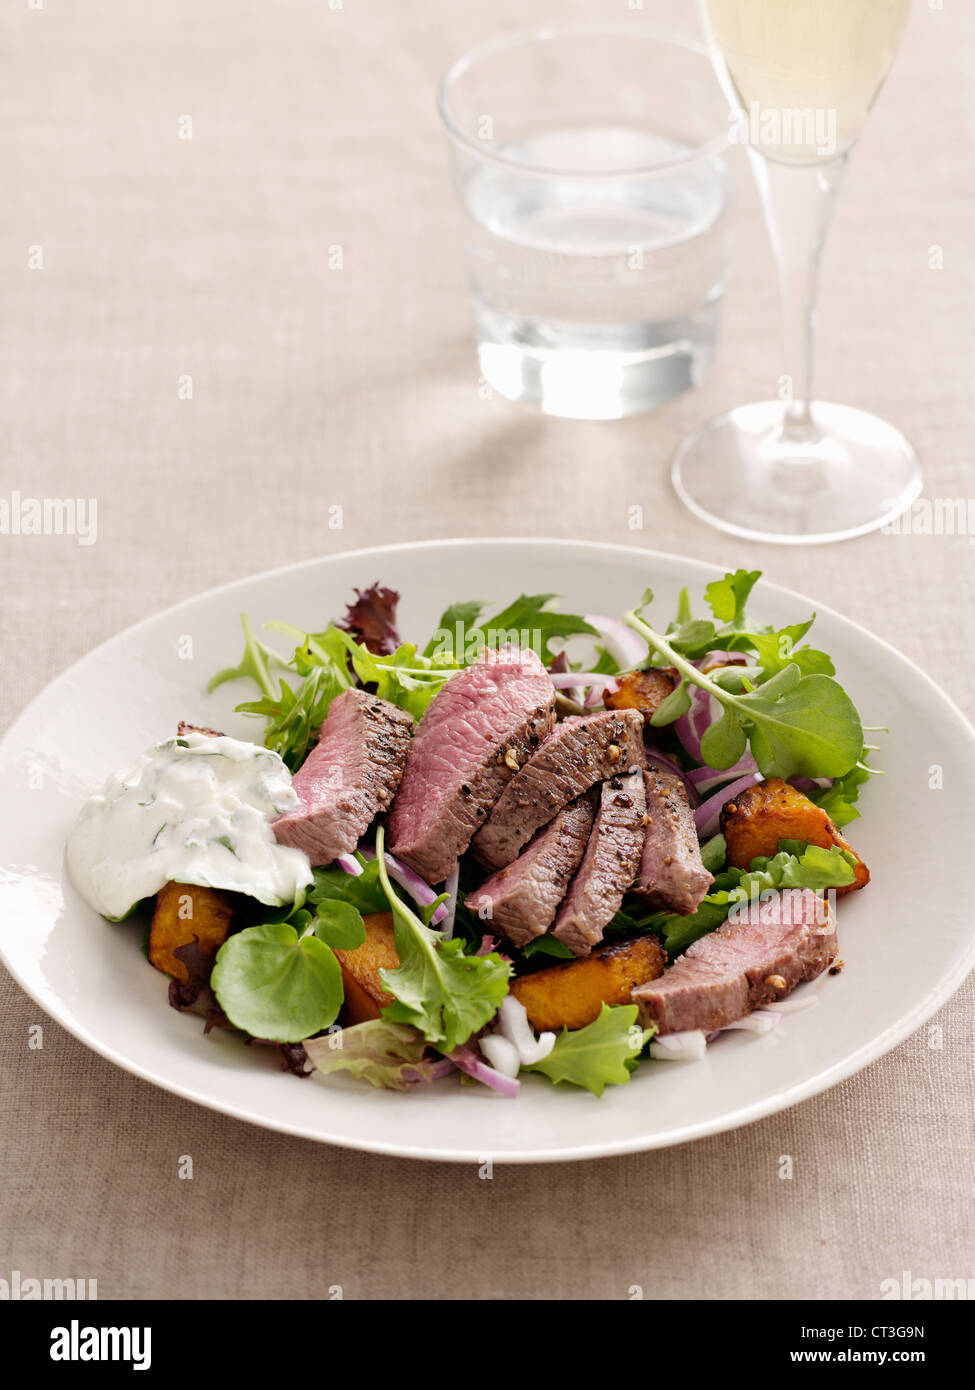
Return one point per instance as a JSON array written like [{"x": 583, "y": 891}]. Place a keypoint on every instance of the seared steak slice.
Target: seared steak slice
[
  {"x": 477, "y": 731},
  {"x": 580, "y": 752},
  {"x": 348, "y": 778},
  {"x": 671, "y": 873},
  {"x": 753, "y": 959},
  {"x": 608, "y": 866},
  {"x": 521, "y": 898}
]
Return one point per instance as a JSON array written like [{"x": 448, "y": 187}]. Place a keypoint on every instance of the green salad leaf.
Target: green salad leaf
[
  {"x": 364, "y": 891},
  {"x": 528, "y": 622},
  {"x": 389, "y": 1055},
  {"x": 444, "y": 993},
  {"x": 275, "y": 984},
  {"x": 602, "y": 1054},
  {"x": 838, "y": 800},
  {"x": 797, "y": 719},
  {"x": 339, "y": 925}
]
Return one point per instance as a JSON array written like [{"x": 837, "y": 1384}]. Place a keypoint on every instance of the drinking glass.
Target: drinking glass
[
  {"x": 589, "y": 164},
  {"x": 803, "y": 75}
]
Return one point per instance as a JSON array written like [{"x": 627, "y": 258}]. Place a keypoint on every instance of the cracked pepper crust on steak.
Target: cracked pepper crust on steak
[
  {"x": 579, "y": 753},
  {"x": 608, "y": 866},
  {"x": 671, "y": 874},
  {"x": 521, "y": 899}
]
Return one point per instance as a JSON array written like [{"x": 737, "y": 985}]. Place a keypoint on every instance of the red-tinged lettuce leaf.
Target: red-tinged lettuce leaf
[{"x": 372, "y": 619}]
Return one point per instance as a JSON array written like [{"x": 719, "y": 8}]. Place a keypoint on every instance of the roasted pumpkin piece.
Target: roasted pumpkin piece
[
  {"x": 184, "y": 911},
  {"x": 770, "y": 811},
  {"x": 365, "y": 995},
  {"x": 571, "y": 995},
  {"x": 644, "y": 690}
]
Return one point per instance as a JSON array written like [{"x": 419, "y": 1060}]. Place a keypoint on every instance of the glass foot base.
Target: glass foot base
[{"x": 741, "y": 474}]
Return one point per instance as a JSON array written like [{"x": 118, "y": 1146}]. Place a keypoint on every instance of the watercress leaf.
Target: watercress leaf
[
  {"x": 693, "y": 638},
  {"x": 602, "y": 1054},
  {"x": 723, "y": 742},
  {"x": 784, "y": 680},
  {"x": 390, "y": 1055},
  {"x": 339, "y": 925},
  {"x": 274, "y": 984},
  {"x": 727, "y": 597},
  {"x": 364, "y": 892},
  {"x": 677, "y": 703},
  {"x": 813, "y": 730}
]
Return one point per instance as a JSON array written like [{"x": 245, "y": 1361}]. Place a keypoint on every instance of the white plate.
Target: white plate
[{"x": 907, "y": 941}]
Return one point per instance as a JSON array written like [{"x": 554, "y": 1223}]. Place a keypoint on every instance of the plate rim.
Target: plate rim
[{"x": 776, "y": 1101}]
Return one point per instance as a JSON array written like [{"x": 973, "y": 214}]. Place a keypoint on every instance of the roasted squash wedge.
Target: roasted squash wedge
[
  {"x": 644, "y": 690},
  {"x": 571, "y": 995},
  {"x": 184, "y": 911},
  {"x": 758, "y": 818},
  {"x": 365, "y": 996}
]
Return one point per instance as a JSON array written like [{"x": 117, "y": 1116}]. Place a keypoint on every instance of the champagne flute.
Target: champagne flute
[{"x": 803, "y": 75}]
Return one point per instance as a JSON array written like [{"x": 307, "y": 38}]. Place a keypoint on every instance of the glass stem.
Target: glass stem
[{"x": 798, "y": 201}]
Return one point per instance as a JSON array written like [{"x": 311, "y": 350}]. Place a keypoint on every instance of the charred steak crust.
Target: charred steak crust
[
  {"x": 479, "y": 729},
  {"x": 756, "y": 958},
  {"x": 521, "y": 899},
  {"x": 579, "y": 753},
  {"x": 349, "y": 777},
  {"x": 671, "y": 873},
  {"x": 608, "y": 866}
]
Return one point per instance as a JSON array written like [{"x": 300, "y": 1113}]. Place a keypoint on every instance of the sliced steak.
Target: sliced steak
[
  {"x": 521, "y": 899},
  {"x": 671, "y": 873},
  {"x": 580, "y": 752},
  {"x": 608, "y": 866},
  {"x": 349, "y": 777},
  {"x": 753, "y": 959},
  {"x": 480, "y": 727}
]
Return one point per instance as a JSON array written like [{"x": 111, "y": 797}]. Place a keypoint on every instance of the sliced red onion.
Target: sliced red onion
[
  {"x": 665, "y": 764},
  {"x": 680, "y": 1047},
  {"x": 593, "y": 680},
  {"x": 706, "y": 815},
  {"x": 468, "y": 1061},
  {"x": 720, "y": 658},
  {"x": 626, "y": 647},
  {"x": 691, "y": 727},
  {"x": 596, "y": 694},
  {"x": 349, "y": 864},
  {"x": 450, "y": 906},
  {"x": 418, "y": 888},
  {"x": 707, "y": 779},
  {"x": 434, "y": 1071}
]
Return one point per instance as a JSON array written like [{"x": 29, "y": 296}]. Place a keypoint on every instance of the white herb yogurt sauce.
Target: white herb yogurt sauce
[{"x": 194, "y": 809}]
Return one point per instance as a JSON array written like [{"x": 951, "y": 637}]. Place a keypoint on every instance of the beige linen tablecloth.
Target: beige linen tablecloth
[{"x": 313, "y": 126}]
